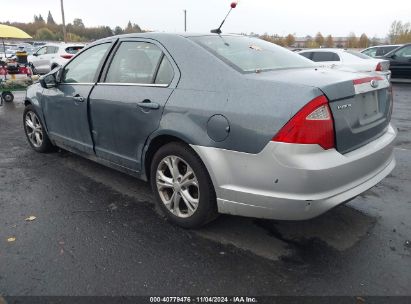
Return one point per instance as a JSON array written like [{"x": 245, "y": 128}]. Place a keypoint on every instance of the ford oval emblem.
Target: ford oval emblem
[{"x": 374, "y": 83}]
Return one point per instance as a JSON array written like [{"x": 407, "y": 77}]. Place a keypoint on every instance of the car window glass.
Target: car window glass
[
  {"x": 73, "y": 49},
  {"x": 306, "y": 54},
  {"x": 52, "y": 49},
  {"x": 134, "y": 62},
  {"x": 251, "y": 55},
  {"x": 83, "y": 68},
  {"x": 325, "y": 56},
  {"x": 372, "y": 52},
  {"x": 405, "y": 52},
  {"x": 165, "y": 72},
  {"x": 42, "y": 51}
]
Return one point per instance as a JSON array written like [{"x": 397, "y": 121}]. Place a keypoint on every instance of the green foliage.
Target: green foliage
[{"x": 45, "y": 34}]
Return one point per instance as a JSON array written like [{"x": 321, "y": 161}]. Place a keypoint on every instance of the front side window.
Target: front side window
[
  {"x": 134, "y": 62},
  {"x": 251, "y": 55},
  {"x": 42, "y": 51},
  {"x": 325, "y": 56},
  {"x": 83, "y": 68},
  {"x": 405, "y": 52}
]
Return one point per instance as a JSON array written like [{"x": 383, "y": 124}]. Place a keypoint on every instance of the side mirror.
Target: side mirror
[
  {"x": 35, "y": 54},
  {"x": 393, "y": 56},
  {"x": 48, "y": 81}
]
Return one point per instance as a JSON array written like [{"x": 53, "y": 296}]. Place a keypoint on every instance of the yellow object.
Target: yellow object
[
  {"x": 10, "y": 240},
  {"x": 7, "y": 31}
]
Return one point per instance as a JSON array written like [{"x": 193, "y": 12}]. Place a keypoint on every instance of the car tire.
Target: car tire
[
  {"x": 182, "y": 186},
  {"x": 7, "y": 96},
  {"x": 35, "y": 131}
]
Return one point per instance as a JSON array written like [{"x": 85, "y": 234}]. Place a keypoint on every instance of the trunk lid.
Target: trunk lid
[{"x": 361, "y": 104}]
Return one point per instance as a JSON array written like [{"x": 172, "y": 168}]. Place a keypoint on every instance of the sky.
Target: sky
[{"x": 302, "y": 18}]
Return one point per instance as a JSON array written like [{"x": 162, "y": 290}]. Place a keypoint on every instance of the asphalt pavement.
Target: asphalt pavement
[{"x": 95, "y": 231}]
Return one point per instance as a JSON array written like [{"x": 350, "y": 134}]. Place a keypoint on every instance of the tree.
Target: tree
[
  {"x": 129, "y": 28},
  {"x": 400, "y": 32},
  {"x": 40, "y": 19},
  {"x": 78, "y": 23},
  {"x": 364, "y": 42},
  {"x": 310, "y": 43},
  {"x": 329, "y": 41},
  {"x": 352, "y": 42},
  {"x": 50, "y": 20},
  {"x": 319, "y": 39},
  {"x": 289, "y": 40},
  {"x": 45, "y": 34},
  {"x": 118, "y": 30}
]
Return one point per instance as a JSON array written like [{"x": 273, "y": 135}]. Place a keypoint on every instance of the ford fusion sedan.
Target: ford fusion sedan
[
  {"x": 218, "y": 124},
  {"x": 348, "y": 60}
]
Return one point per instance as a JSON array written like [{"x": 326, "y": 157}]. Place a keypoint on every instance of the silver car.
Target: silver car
[{"x": 219, "y": 124}]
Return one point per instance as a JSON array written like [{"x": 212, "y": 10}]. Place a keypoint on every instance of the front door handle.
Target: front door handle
[
  {"x": 147, "y": 104},
  {"x": 79, "y": 98}
]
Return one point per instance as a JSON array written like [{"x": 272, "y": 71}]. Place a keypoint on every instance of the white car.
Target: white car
[
  {"x": 50, "y": 56},
  {"x": 348, "y": 60}
]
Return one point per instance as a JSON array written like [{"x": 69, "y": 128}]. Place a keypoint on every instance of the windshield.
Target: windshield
[
  {"x": 251, "y": 55},
  {"x": 360, "y": 55}
]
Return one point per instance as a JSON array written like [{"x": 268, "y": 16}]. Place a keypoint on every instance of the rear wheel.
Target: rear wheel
[
  {"x": 35, "y": 132},
  {"x": 182, "y": 186},
  {"x": 7, "y": 96}
]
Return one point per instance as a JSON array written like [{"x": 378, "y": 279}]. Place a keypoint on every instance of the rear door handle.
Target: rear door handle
[
  {"x": 79, "y": 98},
  {"x": 147, "y": 104}
]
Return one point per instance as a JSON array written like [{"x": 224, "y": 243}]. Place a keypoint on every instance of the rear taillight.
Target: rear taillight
[
  {"x": 379, "y": 67},
  {"x": 67, "y": 56},
  {"x": 313, "y": 124}
]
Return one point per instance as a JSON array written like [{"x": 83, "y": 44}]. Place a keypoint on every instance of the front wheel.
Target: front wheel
[
  {"x": 182, "y": 186},
  {"x": 35, "y": 132}
]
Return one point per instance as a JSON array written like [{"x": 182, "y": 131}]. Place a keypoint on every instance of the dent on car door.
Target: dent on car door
[
  {"x": 65, "y": 106},
  {"x": 127, "y": 104}
]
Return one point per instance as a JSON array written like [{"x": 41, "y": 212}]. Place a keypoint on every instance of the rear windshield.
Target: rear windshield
[
  {"x": 360, "y": 55},
  {"x": 251, "y": 55},
  {"x": 73, "y": 49}
]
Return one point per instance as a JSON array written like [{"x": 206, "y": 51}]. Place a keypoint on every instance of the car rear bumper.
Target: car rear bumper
[{"x": 295, "y": 182}]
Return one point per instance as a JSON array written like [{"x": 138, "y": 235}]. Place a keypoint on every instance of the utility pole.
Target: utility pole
[
  {"x": 64, "y": 22},
  {"x": 185, "y": 20}
]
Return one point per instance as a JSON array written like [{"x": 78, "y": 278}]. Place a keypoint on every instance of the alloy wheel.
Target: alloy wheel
[
  {"x": 178, "y": 186},
  {"x": 34, "y": 129}
]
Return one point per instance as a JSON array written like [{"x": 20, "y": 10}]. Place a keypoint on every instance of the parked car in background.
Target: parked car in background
[
  {"x": 400, "y": 61},
  {"x": 50, "y": 56},
  {"x": 348, "y": 60},
  {"x": 381, "y": 50},
  {"x": 241, "y": 126}
]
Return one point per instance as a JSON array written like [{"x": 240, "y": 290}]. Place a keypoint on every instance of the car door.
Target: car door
[
  {"x": 401, "y": 63},
  {"x": 127, "y": 104},
  {"x": 39, "y": 59},
  {"x": 51, "y": 53},
  {"x": 65, "y": 107}
]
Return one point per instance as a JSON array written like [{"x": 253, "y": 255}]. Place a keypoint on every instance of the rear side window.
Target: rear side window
[
  {"x": 325, "y": 56},
  {"x": 73, "y": 49},
  {"x": 52, "y": 49},
  {"x": 165, "y": 72},
  {"x": 372, "y": 52},
  {"x": 134, "y": 62},
  {"x": 307, "y": 54}
]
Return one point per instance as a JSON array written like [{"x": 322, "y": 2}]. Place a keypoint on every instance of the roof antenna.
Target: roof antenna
[{"x": 218, "y": 31}]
